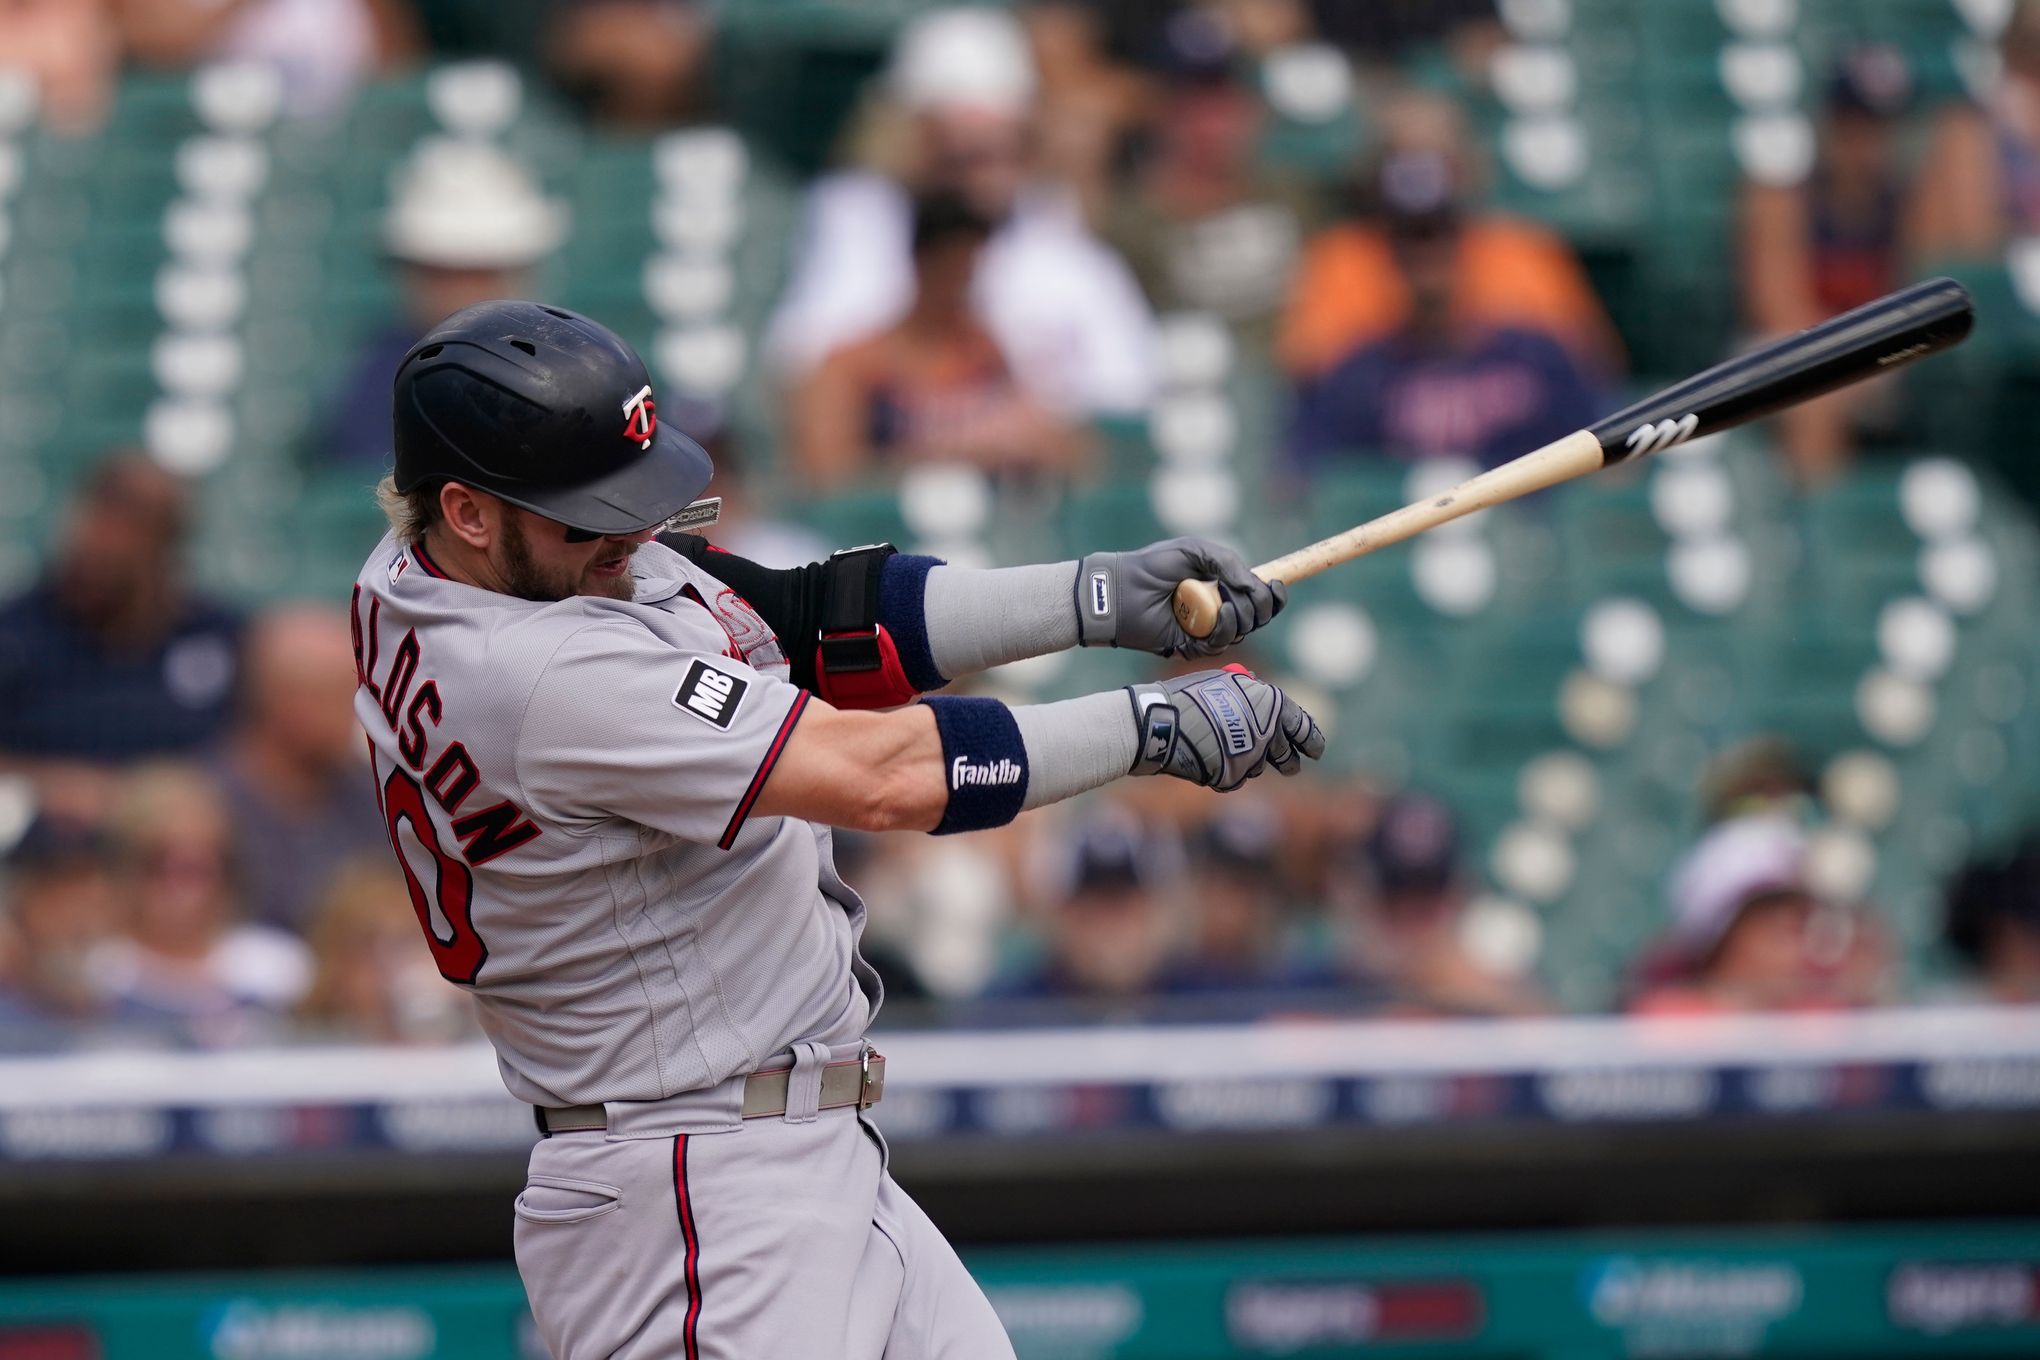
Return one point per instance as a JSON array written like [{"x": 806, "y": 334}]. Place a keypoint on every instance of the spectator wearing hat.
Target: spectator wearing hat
[
  {"x": 184, "y": 957},
  {"x": 1821, "y": 238},
  {"x": 958, "y": 117},
  {"x": 1108, "y": 932},
  {"x": 1749, "y": 932},
  {"x": 1507, "y": 274},
  {"x": 1402, "y": 920},
  {"x": 1446, "y": 382},
  {"x": 1233, "y": 941},
  {"x": 1993, "y": 923},
  {"x": 111, "y": 657},
  {"x": 1203, "y": 225},
  {"x": 59, "y": 905},
  {"x": 933, "y": 386},
  {"x": 299, "y": 797},
  {"x": 466, "y": 224},
  {"x": 1763, "y": 774}
]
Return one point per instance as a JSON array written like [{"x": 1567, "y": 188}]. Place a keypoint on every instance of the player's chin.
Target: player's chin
[{"x": 613, "y": 584}]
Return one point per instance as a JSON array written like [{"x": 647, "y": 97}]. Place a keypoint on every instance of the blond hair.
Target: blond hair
[
  {"x": 164, "y": 792},
  {"x": 410, "y": 513},
  {"x": 363, "y": 897}
]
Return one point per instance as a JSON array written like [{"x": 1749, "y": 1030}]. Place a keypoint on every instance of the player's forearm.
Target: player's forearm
[
  {"x": 948, "y": 764},
  {"x": 978, "y": 619},
  {"x": 862, "y": 770},
  {"x": 963, "y": 620}
]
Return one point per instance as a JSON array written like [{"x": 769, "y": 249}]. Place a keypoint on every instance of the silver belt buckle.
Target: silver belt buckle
[{"x": 868, "y": 1089}]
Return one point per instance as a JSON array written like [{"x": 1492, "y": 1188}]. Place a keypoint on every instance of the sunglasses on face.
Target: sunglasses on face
[{"x": 698, "y": 515}]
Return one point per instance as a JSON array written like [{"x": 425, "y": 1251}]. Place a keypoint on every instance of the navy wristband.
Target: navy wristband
[
  {"x": 902, "y": 609},
  {"x": 984, "y": 763}
]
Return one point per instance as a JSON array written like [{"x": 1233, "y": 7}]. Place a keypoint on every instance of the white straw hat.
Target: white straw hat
[
  {"x": 1734, "y": 863},
  {"x": 970, "y": 58},
  {"x": 466, "y": 205}
]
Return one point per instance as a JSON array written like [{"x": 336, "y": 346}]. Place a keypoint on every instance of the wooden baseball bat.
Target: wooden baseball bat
[{"x": 1885, "y": 334}]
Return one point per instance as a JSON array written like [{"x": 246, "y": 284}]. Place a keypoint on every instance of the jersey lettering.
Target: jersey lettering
[
  {"x": 459, "y": 951},
  {"x": 746, "y": 629},
  {"x": 411, "y": 741},
  {"x": 453, "y": 775},
  {"x": 710, "y": 695},
  {"x": 403, "y": 667},
  {"x": 492, "y": 831},
  {"x": 457, "y": 765},
  {"x": 374, "y": 648},
  {"x": 354, "y": 632}
]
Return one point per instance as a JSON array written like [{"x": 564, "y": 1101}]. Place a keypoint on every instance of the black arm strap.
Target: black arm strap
[{"x": 833, "y": 603}]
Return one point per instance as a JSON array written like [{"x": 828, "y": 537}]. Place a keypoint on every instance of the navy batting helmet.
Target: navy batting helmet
[{"x": 548, "y": 410}]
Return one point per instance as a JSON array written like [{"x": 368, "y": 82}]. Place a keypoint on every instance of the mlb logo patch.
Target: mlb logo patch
[{"x": 711, "y": 695}]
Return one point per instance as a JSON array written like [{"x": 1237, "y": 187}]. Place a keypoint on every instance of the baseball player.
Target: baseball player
[{"x": 609, "y": 770}]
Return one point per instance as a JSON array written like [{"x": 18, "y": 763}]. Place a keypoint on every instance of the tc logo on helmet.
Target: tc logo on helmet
[{"x": 641, "y": 417}]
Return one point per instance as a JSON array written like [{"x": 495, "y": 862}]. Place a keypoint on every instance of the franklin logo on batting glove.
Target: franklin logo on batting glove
[{"x": 1221, "y": 698}]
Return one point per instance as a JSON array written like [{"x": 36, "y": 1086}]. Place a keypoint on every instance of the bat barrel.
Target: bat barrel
[{"x": 1892, "y": 331}]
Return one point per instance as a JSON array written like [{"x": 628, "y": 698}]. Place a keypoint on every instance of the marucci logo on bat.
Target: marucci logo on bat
[{"x": 1650, "y": 438}]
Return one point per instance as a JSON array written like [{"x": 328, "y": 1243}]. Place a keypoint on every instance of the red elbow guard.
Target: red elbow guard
[{"x": 861, "y": 668}]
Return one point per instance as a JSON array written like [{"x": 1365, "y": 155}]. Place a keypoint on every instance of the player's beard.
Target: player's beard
[{"x": 524, "y": 578}]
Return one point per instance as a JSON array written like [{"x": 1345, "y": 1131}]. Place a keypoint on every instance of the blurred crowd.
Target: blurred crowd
[
  {"x": 194, "y": 845},
  {"x": 194, "y": 850}
]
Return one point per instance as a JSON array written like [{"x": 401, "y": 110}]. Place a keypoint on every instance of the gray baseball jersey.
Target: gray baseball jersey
[{"x": 569, "y": 786}]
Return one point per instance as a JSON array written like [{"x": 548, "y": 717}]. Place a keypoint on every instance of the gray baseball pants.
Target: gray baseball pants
[{"x": 770, "y": 1240}]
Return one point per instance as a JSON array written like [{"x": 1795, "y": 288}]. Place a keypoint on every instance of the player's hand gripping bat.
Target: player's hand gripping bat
[{"x": 1886, "y": 334}]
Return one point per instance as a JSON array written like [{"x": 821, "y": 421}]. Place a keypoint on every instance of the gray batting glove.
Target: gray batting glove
[
  {"x": 1126, "y": 599},
  {"x": 1220, "y": 728}
]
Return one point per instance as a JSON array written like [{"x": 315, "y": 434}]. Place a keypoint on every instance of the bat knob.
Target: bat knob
[{"x": 1196, "y": 605}]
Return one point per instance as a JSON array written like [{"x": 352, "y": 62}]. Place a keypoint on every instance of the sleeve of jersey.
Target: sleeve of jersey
[{"x": 623, "y": 724}]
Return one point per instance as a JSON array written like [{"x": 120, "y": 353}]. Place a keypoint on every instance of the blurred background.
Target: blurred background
[{"x": 1653, "y": 968}]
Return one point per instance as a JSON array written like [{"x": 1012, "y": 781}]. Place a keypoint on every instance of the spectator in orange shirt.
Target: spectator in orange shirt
[
  {"x": 1442, "y": 384},
  {"x": 933, "y": 386},
  {"x": 1350, "y": 291}
]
